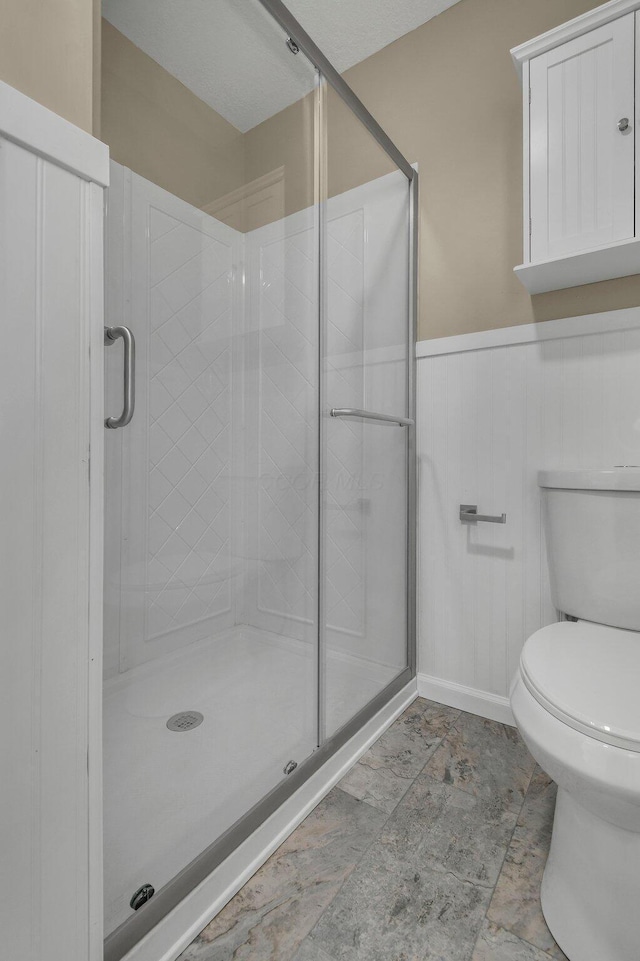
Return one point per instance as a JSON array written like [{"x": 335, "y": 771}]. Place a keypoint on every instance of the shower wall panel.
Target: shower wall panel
[
  {"x": 344, "y": 481},
  {"x": 364, "y": 489},
  {"x": 281, "y": 424},
  {"x": 366, "y": 276},
  {"x": 216, "y": 525},
  {"x": 171, "y": 564},
  {"x": 283, "y": 289}
]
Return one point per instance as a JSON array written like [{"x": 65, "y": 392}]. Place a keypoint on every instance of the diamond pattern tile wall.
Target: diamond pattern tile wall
[
  {"x": 190, "y": 371},
  {"x": 285, "y": 430},
  {"x": 345, "y": 513}
]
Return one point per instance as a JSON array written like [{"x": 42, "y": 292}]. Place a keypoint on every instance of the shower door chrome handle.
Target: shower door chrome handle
[
  {"x": 111, "y": 334},
  {"x": 370, "y": 415}
]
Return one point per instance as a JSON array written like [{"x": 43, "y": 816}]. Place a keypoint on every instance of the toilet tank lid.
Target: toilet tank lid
[{"x": 595, "y": 479}]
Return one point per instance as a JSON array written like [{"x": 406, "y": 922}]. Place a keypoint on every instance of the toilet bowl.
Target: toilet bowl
[{"x": 576, "y": 701}]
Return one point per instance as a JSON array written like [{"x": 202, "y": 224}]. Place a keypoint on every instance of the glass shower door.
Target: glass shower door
[
  {"x": 258, "y": 551},
  {"x": 366, "y": 423},
  {"x": 211, "y": 629}
]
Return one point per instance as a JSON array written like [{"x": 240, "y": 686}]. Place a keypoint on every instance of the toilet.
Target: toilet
[{"x": 576, "y": 701}]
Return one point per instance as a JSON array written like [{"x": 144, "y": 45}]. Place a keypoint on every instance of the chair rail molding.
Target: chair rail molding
[
  {"x": 28, "y": 124},
  {"x": 605, "y": 322}
]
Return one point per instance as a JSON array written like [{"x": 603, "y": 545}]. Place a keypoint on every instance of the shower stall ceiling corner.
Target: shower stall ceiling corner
[{"x": 258, "y": 558}]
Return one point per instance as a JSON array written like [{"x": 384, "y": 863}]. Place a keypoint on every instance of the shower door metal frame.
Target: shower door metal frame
[
  {"x": 303, "y": 41},
  {"x": 125, "y": 937},
  {"x": 296, "y": 32}
]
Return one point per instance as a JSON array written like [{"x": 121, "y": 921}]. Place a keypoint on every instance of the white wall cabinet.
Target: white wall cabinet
[
  {"x": 582, "y": 142},
  {"x": 580, "y": 118}
]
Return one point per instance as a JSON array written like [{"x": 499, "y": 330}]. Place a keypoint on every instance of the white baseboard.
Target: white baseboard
[
  {"x": 178, "y": 929},
  {"x": 469, "y": 699}
]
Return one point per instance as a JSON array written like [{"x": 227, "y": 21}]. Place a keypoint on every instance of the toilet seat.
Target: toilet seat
[{"x": 588, "y": 676}]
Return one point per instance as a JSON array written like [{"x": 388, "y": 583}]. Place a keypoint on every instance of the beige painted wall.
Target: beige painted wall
[
  {"x": 97, "y": 67},
  {"x": 157, "y": 127},
  {"x": 449, "y": 96},
  {"x": 287, "y": 140},
  {"x": 46, "y": 52}
]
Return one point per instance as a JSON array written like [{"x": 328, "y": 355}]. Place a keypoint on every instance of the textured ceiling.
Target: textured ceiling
[{"x": 232, "y": 55}]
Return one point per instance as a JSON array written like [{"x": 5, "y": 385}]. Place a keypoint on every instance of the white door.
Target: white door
[{"x": 581, "y": 148}]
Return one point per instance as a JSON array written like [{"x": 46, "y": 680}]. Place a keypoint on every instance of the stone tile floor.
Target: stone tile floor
[{"x": 430, "y": 849}]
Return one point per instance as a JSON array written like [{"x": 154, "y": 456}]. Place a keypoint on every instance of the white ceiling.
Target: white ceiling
[{"x": 232, "y": 55}]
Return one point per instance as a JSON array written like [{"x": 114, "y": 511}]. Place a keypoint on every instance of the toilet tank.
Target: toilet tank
[{"x": 592, "y": 527}]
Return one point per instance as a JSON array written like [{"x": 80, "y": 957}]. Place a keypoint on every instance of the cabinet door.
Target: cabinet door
[{"x": 581, "y": 162}]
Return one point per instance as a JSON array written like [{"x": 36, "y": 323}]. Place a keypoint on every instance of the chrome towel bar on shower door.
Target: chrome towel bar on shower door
[
  {"x": 111, "y": 334},
  {"x": 370, "y": 415}
]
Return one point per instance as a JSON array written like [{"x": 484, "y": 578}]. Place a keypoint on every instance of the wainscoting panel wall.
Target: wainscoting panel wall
[
  {"x": 492, "y": 410},
  {"x": 51, "y": 194}
]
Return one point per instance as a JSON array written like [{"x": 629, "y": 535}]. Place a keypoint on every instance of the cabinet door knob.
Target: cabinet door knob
[{"x": 623, "y": 124}]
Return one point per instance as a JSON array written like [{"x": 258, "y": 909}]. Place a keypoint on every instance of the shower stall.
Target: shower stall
[{"x": 260, "y": 466}]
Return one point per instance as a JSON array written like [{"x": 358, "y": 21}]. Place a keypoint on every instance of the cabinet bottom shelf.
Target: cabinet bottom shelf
[{"x": 621, "y": 259}]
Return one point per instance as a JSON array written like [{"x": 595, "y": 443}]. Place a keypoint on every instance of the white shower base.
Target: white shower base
[{"x": 168, "y": 795}]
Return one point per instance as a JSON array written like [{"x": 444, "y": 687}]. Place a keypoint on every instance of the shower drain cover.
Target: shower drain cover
[{"x": 185, "y": 721}]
